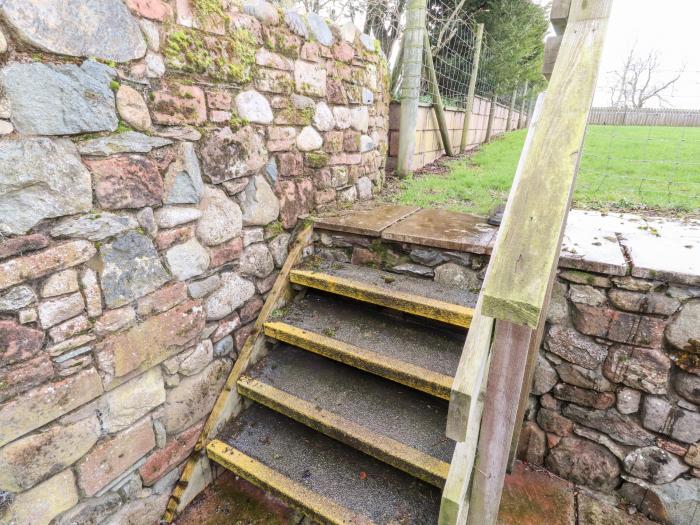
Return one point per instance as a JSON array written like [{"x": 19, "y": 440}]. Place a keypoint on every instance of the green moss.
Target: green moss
[
  {"x": 273, "y": 229},
  {"x": 207, "y": 11},
  {"x": 281, "y": 45},
  {"x": 316, "y": 159},
  {"x": 228, "y": 58},
  {"x": 297, "y": 117},
  {"x": 122, "y": 127},
  {"x": 236, "y": 122},
  {"x": 114, "y": 85}
]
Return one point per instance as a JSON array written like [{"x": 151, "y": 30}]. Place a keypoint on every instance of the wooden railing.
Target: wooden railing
[{"x": 491, "y": 387}]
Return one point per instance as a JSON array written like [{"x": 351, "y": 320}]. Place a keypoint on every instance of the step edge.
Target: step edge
[
  {"x": 383, "y": 448},
  {"x": 316, "y": 505},
  {"x": 410, "y": 375},
  {"x": 419, "y": 305}
]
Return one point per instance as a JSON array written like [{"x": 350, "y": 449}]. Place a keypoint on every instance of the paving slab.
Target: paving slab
[
  {"x": 369, "y": 222},
  {"x": 656, "y": 256},
  {"x": 589, "y": 249},
  {"x": 444, "y": 229}
]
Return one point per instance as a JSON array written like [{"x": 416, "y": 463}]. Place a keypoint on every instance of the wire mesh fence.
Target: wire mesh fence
[{"x": 644, "y": 158}]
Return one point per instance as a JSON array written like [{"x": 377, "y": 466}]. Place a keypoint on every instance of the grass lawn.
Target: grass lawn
[{"x": 630, "y": 168}]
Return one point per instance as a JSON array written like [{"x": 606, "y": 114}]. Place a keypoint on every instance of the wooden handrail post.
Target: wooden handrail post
[
  {"x": 410, "y": 85},
  {"x": 473, "y": 75},
  {"x": 435, "y": 93}
]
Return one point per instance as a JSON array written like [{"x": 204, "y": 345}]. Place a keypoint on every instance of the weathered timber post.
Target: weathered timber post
[
  {"x": 521, "y": 116},
  {"x": 492, "y": 115},
  {"x": 472, "y": 87},
  {"x": 410, "y": 85},
  {"x": 396, "y": 71},
  {"x": 435, "y": 93},
  {"x": 511, "y": 107}
]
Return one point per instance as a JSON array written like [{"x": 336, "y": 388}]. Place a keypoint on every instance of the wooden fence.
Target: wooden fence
[{"x": 645, "y": 117}]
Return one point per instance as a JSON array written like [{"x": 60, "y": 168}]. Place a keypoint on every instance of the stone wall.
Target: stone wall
[
  {"x": 156, "y": 156},
  {"x": 615, "y": 404}
]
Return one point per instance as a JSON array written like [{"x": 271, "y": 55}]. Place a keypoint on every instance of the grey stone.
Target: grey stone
[
  {"x": 367, "y": 41},
  {"x": 309, "y": 139},
  {"x": 684, "y": 331},
  {"x": 427, "y": 256},
  {"x": 91, "y": 511},
  {"x": 558, "y": 306},
  {"x": 131, "y": 269},
  {"x": 257, "y": 261},
  {"x": 251, "y": 235},
  {"x": 414, "y": 269},
  {"x": 279, "y": 248},
  {"x": 183, "y": 180},
  {"x": 586, "y": 295},
  {"x": 623, "y": 429},
  {"x": 54, "y": 311},
  {"x": 646, "y": 369},
  {"x": 302, "y": 102},
  {"x": 675, "y": 503},
  {"x": 319, "y": 29},
  {"x": 367, "y": 96},
  {"x": 130, "y": 401},
  {"x": 452, "y": 274},
  {"x": 310, "y": 79},
  {"x": 58, "y": 99},
  {"x": 323, "y": 117},
  {"x": 545, "y": 377},
  {"x": 628, "y": 400},
  {"x": 235, "y": 186},
  {"x": 364, "y": 188},
  {"x": 94, "y": 226},
  {"x": 41, "y": 178},
  {"x": 619, "y": 451},
  {"x": 584, "y": 463},
  {"x": 359, "y": 119},
  {"x": 253, "y": 107},
  {"x": 348, "y": 32},
  {"x": 152, "y": 33},
  {"x": 688, "y": 386},
  {"x": 60, "y": 283},
  {"x": 224, "y": 347},
  {"x": 127, "y": 142},
  {"x": 234, "y": 291},
  {"x": 132, "y": 108},
  {"x": 171, "y": 216},
  {"x": 155, "y": 66},
  {"x": 199, "y": 289},
  {"x": 366, "y": 144},
  {"x": 221, "y": 219},
  {"x": 17, "y": 298},
  {"x": 660, "y": 416},
  {"x": 227, "y": 155},
  {"x": 178, "y": 132},
  {"x": 103, "y": 29},
  {"x": 147, "y": 220},
  {"x": 196, "y": 359},
  {"x": 295, "y": 23},
  {"x": 654, "y": 464},
  {"x": 259, "y": 204},
  {"x": 575, "y": 347},
  {"x": 6, "y": 127},
  {"x": 271, "y": 171},
  {"x": 348, "y": 195},
  {"x": 343, "y": 117},
  {"x": 584, "y": 377},
  {"x": 187, "y": 260},
  {"x": 264, "y": 11}
]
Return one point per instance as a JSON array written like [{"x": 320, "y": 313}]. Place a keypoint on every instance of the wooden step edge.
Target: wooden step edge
[
  {"x": 413, "y": 376},
  {"x": 315, "y": 505},
  {"x": 399, "y": 455},
  {"x": 403, "y": 301}
]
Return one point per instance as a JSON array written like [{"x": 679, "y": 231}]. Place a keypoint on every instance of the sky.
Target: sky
[{"x": 669, "y": 28}]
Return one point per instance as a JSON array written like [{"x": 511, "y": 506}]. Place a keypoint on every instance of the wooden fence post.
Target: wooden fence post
[
  {"x": 396, "y": 71},
  {"x": 435, "y": 93},
  {"x": 473, "y": 75},
  {"x": 511, "y": 107},
  {"x": 492, "y": 115},
  {"x": 521, "y": 116},
  {"x": 410, "y": 85}
]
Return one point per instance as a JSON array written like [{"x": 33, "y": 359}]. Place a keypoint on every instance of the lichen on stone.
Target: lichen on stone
[
  {"x": 317, "y": 159},
  {"x": 229, "y": 58}
]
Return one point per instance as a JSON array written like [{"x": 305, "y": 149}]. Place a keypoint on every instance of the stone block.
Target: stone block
[
  {"x": 149, "y": 342},
  {"x": 619, "y": 326},
  {"x": 126, "y": 181},
  {"x": 646, "y": 369},
  {"x": 45, "y": 403},
  {"x": 585, "y": 463},
  {"x": 661, "y": 416},
  {"x": 22, "y": 244},
  {"x": 172, "y": 454},
  {"x": 583, "y": 396},
  {"x": 221, "y": 219},
  {"x": 162, "y": 300},
  {"x": 114, "y": 456},
  {"x": 654, "y": 464},
  {"x": 18, "y": 343},
  {"x": 226, "y": 252},
  {"x": 129, "y": 402},
  {"x": 17, "y": 378},
  {"x": 309, "y": 79},
  {"x": 532, "y": 445},
  {"x": 622, "y": 428},
  {"x": 39, "y": 505},
  {"x": 180, "y": 105},
  {"x": 54, "y": 311},
  {"x": 232, "y": 294}
]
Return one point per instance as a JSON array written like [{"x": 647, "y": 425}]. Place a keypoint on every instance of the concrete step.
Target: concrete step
[
  {"x": 418, "y": 354},
  {"x": 415, "y": 296},
  {"x": 400, "y": 426},
  {"x": 324, "y": 478}
]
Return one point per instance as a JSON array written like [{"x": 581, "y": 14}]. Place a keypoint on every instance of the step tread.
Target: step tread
[
  {"x": 405, "y": 415},
  {"x": 328, "y": 470},
  {"x": 444, "y": 303}
]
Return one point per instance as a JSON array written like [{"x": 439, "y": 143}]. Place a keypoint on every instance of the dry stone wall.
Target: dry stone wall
[
  {"x": 156, "y": 155},
  {"x": 615, "y": 404}
]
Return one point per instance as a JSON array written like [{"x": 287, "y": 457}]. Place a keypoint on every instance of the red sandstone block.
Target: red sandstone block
[
  {"x": 182, "y": 105},
  {"x": 126, "y": 181},
  {"x": 153, "y": 9},
  {"x": 167, "y": 238},
  {"x": 19, "y": 245},
  {"x": 226, "y": 252},
  {"x": 175, "y": 451},
  {"x": 162, "y": 300}
]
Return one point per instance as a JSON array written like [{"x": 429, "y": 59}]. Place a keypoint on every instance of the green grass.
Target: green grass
[{"x": 624, "y": 168}]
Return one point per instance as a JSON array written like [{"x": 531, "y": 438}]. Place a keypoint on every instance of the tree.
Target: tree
[{"x": 640, "y": 81}]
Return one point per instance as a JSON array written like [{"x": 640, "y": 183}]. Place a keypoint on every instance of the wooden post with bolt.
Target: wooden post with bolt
[{"x": 472, "y": 87}]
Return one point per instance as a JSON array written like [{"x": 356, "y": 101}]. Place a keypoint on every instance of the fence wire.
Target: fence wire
[{"x": 638, "y": 159}]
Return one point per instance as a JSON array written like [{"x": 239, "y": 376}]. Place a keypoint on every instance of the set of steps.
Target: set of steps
[{"x": 348, "y": 412}]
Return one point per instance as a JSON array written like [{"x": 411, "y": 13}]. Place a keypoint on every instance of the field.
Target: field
[{"x": 624, "y": 168}]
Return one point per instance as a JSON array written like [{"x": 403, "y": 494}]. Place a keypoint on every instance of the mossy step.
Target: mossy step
[
  {"x": 322, "y": 477},
  {"x": 420, "y": 354},
  {"x": 400, "y": 426},
  {"x": 419, "y": 297}
]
